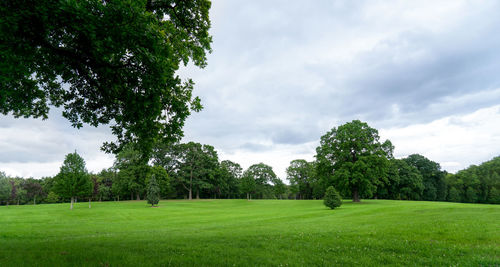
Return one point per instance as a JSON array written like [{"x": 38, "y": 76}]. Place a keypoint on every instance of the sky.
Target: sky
[{"x": 283, "y": 73}]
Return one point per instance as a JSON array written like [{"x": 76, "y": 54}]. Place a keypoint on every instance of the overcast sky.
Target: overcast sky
[{"x": 426, "y": 74}]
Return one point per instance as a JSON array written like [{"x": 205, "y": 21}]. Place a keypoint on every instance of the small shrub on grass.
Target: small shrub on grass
[
  {"x": 332, "y": 198},
  {"x": 153, "y": 191}
]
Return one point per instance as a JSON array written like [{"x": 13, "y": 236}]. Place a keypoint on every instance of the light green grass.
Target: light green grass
[{"x": 256, "y": 233}]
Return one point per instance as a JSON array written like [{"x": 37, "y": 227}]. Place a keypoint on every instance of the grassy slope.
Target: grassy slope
[{"x": 265, "y": 232}]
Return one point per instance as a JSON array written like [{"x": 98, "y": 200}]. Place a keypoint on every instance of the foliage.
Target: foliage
[
  {"x": 73, "y": 179},
  {"x": 33, "y": 189},
  {"x": 433, "y": 177},
  {"x": 354, "y": 158},
  {"x": 133, "y": 170},
  {"x": 332, "y": 198},
  {"x": 257, "y": 180},
  {"x": 193, "y": 166},
  {"x": 153, "y": 191},
  {"x": 104, "y": 62},
  {"x": 5, "y": 188},
  {"x": 52, "y": 197},
  {"x": 301, "y": 174}
]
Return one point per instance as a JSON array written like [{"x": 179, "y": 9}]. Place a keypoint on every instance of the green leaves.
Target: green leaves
[
  {"x": 353, "y": 156},
  {"x": 105, "y": 62}
]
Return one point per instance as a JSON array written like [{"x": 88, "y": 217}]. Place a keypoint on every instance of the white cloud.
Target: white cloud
[{"x": 454, "y": 141}]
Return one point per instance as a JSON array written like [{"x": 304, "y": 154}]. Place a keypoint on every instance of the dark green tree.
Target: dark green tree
[
  {"x": 433, "y": 177},
  {"x": 279, "y": 188},
  {"x": 352, "y": 157},
  {"x": 5, "y": 188},
  {"x": 230, "y": 176},
  {"x": 332, "y": 198},
  {"x": 104, "y": 62},
  {"x": 132, "y": 172},
  {"x": 153, "y": 191},
  {"x": 247, "y": 185},
  {"x": 73, "y": 179},
  {"x": 262, "y": 175},
  {"x": 193, "y": 166},
  {"x": 454, "y": 195},
  {"x": 33, "y": 189},
  {"x": 301, "y": 173}
]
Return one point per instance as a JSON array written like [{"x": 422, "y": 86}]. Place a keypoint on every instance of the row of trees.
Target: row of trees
[{"x": 351, "y": 158}]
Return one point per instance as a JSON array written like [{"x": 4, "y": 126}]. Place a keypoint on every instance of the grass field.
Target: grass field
[{"x": 257, "y": 233}]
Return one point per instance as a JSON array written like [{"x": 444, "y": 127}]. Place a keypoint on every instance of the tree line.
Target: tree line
[{"x": 351, "y": 158}]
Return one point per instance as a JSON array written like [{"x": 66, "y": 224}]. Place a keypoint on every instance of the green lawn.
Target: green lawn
[{"x": 257, "y": 233}]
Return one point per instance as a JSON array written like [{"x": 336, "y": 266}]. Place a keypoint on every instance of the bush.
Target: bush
[
  {"x": 52, "y": 197},
  {"x": 332, "y": 198},
  {"x": 153, "y": 191}
]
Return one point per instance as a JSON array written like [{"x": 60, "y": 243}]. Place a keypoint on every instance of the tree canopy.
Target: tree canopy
[
  {"x": 354, "y": 157},
  {"x": 73, "y": 180},
  {"x": 104, "y": 62}
]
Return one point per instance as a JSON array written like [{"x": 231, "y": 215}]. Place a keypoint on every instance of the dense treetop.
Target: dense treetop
[{"x": 104, "y": 62}]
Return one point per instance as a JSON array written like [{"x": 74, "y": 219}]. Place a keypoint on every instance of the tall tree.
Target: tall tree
[
  {"x": 433, "y": 177},
  {"x": 33, "y": 189},
  {"x": 133, "y": 170},
  {"x": 231, "y": 176},
  {"x": 192, "y": 165},
  {"x": 301, "y": 173},
  {"x": 73, "y": 179},
  {"x": 5, "y": 188},
  {"x": 153, "y": 191},
  {"x": 262, "y": 176},
  {"x": 354, "y": 157},
  {"x": 104, "y": 62}
]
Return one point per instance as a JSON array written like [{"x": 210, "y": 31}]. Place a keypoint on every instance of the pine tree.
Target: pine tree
[
  {"x": 332, "y": 198},
  {"x": 153, "y": 191}
]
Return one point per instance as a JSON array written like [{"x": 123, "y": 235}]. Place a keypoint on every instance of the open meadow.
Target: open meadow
[{"x": 259, "y": 233}]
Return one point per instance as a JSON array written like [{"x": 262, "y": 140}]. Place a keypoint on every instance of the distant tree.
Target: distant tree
[
  {"x": 153, "y": 191},
  {"x": 230, "y": 175},
  {"x": 454, "y": 195},
  {"x": 5, "y": 188},
  {"x": 73, "y": 179},
  {"x": 33, "y": 189},
  {"x": 104, "y": 62},
  {"x": 301, "y": 173},
  {"x": 162, "y": 179},
  {"x": 332, "y": 198},
  {"x": 410, "y": 185},
  {"x": 354, "y": 158},
  {"x": 494, "y": 196},
  {"x": 52, "y": 197},
  {"x": 433, "y": 177},
  {"x": 279, "y": 188},
  {"x": 193, "y": 166},
  {"x": 470, "y": 195},
  {"x": 133, "y": 170},
  {"x": 247, "y": 185},
  {"x": 262, "y": 175}
]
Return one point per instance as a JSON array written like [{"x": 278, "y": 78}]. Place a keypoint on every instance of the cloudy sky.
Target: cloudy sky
[{"x": 426, "y": 74}]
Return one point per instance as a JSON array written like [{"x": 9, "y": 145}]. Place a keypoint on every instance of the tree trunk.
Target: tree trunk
[
  {"x": 198, "y": 194},
  {"x": 355, "y": 195},
  {"x": 89, "y": 203},
  {"x": 131, "y": 196},
  {"x": 190, "y": 194},
  {"x": 248, "y": 196},
  {"x": 138, "y": 197},
  {"x": 71, "y": 207},
  {"x": 118, "y": 198}
]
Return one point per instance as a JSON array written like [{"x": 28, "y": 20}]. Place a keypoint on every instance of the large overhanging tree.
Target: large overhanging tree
[
  {"x": 354, "y": 157},
  {"x": 104, "y": 62}
]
